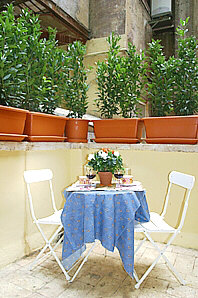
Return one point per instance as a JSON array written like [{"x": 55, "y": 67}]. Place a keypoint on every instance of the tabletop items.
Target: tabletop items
[{"x": 95, "y": 185}]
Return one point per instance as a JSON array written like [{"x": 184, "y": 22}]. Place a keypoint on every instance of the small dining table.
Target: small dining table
[{"x": 105, "y": 214}]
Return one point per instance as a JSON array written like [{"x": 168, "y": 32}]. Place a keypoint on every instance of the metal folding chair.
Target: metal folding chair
[
  {"x": 33, "y": 176},
  {"x": 157, "y": 224}
]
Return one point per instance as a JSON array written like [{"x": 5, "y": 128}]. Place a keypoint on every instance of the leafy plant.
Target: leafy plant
[
  {"x": 105, "y": 160},
  {"x": 173, "y": 84},
  {"x": 159, "y": 85},
  {"x": 108, "y": 78},
  {"x": 30, "y": 67},
  {"x": 185, "y": 99},
  {"x": 120, "y": 81},
  {"x": 134, "y": 75},
  {"x": 75, "y": 90}
]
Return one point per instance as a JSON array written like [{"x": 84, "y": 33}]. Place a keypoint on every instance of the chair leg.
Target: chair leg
[
  {"x": 171, "y": 267},
  {"x": 84, "y": 260},
  {"x": 140, "y": 245},
  {"x": 161, "y": 254},
  {"x": 48, "y": 244},
  {"x": 38, "y": 257},
  {"x": 135, "y": 275}
]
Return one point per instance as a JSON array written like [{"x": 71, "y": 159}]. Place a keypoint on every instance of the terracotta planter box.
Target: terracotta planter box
[
  {"x": 12, "y": 122},
  {"x": 118, "y": 130},
  {"x": 171, "y": 130},
  {"x": 77, "y": 130},
  {"x": 42, "y": 127}
]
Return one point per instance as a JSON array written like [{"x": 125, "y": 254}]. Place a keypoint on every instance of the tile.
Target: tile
[
  {"x": 162, "y": 272},
  {"x": 36, "y": 295},
  {"x": 185, "y": 251},
  {"x": 184, "y": 264},
  {"x": 54, "y": 288},
  {"x": 99, "y": 249},
  {"x": 180, "y": 291},
  {"x": 127, "y": 291},
  {"x": 11, "y": 268},
  {"x": 45, "y": 274},
  {"x": 105, "y": 288},
  {"x": 108, "y": 266},
  {"x": 104, "y": 276},
  {"x": 153, "y": 294},
  {"x": 8, "y": 290},
  {"x": 195, "y": 267},
  {"x": 160, "y": 245},
  {"x": 140, "y": 252},
  {"x": 114, "y": 254},
  {"x": 77, "y": 290},
  {"x": 155, "y": 284},
  {"x": 26, "y": 260},
  {"x": 27, "y": 282},
  {"x": 90, "y": 278},
  {"x": 191, "y": 280}
]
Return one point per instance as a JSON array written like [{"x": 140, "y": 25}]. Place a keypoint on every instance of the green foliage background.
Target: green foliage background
[
  {"x": 173, "y": 84},
  {"x": 34, "y": 73}
]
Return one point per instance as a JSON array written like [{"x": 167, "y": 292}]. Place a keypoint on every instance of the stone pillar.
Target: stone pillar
[{"x": 107, "y": 16}]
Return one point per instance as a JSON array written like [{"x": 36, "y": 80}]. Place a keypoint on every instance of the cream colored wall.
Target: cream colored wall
[{"x": 19, "y": 236}]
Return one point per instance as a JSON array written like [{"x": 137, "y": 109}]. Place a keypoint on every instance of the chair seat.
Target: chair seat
[
  {"x": 54, "y": 219},
  {"x": 156, "y": 224}
]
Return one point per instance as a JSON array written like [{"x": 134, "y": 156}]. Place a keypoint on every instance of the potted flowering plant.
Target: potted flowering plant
[{"x": 105, "y": 162}]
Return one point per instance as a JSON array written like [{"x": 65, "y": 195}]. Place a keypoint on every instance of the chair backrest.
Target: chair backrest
[
  {"x": 38, "y": 175},
  {"x": 33, "y": 176},
  {"x": 183, "y": 180}
]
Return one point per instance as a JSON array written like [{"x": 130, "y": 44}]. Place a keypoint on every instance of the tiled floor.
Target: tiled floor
[{"x": 103, "y": 277}]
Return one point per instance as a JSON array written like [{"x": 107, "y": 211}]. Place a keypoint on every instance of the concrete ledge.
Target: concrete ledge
[{"x": 36, "y": 146}]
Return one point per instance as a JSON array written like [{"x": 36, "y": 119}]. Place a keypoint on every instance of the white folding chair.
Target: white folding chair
[
  {"x": 157, "y": 224},
  {"x": 33, "y": 176}
]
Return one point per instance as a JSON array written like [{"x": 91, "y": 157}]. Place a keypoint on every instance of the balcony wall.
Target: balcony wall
[{"x": 150, "y": 164}]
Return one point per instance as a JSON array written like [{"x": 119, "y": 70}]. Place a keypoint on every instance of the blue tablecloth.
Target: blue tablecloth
[{"x": 104, "y": 215}]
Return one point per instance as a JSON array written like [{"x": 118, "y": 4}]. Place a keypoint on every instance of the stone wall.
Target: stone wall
[
  {"x": 107, "y": 16},
  {"x": 123, "y": 17},
  {"x": 77, "y": 9},
  {"x": 138, "y": 30}
]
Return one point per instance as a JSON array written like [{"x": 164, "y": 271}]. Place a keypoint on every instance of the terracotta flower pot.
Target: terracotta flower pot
[
  {"x": 42, "y": 127},
  {"x": 77, "y": 130},
  {"x": 118, "y": 130},
  {"x": 105, "y": 178},
  {"x": 171, "y": 130},
  {"x": 12, "y": 122}
]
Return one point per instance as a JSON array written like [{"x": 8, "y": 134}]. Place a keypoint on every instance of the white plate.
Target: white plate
[{"x": 131, "y": 184}]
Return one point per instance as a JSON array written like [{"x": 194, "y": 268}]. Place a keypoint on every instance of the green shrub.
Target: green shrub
[
  {"x": 75, "y": 89},
  {"x": 30, "y": 67},
  {"x": 120, "y": 81},
  {"x": 173, "y": 84}
]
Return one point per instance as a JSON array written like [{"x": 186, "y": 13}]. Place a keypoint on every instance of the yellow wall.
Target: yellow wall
[{"x": 19, "y": 237}]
